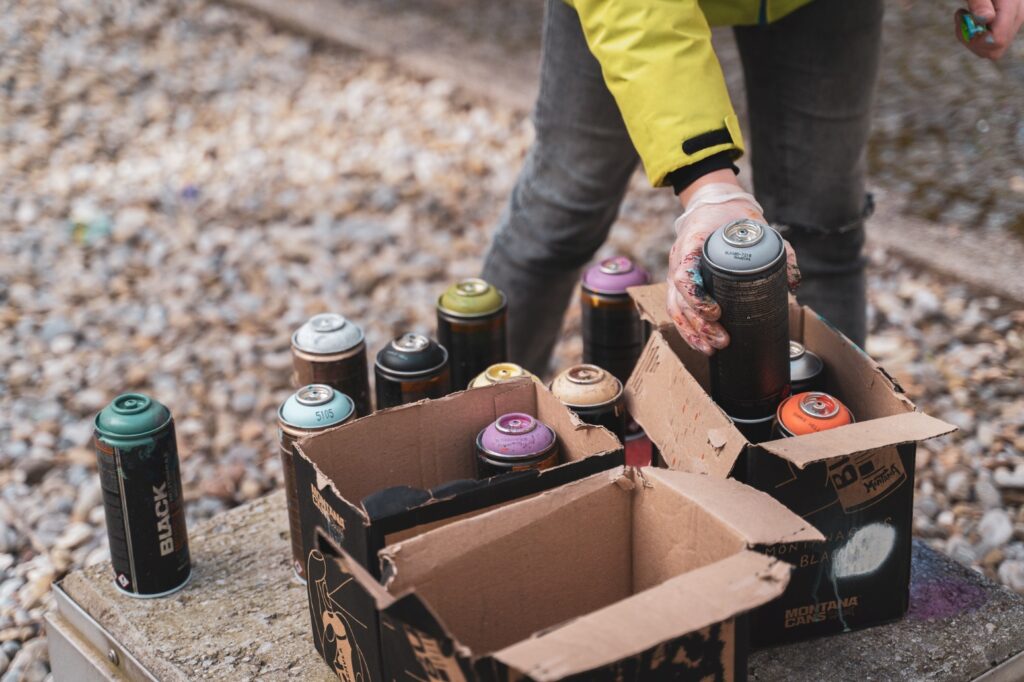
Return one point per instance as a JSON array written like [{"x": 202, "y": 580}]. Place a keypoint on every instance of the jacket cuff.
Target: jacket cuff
[{"x": 681, "y": 178}]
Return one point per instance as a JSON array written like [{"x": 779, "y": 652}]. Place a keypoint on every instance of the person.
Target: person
[{"x": 636, "y": 80}]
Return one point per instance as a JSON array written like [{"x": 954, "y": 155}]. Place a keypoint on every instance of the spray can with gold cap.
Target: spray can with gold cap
[
  {"x": 330, "y": 349},
  {"x": 593, "y": 394},
  {"x": 412, "y": 367},
  {"x": 311, "y": 409},
  {"x": 501, "y": 372},
  {"x": 471, "y": 324}
]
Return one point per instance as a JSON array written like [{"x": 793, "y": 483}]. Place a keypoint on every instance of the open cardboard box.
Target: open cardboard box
[
  {"x": 616, "y": 576},
  {"x": 855, "y": 483},
  {"x": 398, "y": 472}
]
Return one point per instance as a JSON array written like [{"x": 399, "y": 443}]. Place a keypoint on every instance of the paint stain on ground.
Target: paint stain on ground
[{"x": 939, "y": 599}]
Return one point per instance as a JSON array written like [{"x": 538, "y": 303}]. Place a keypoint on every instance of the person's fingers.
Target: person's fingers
[
  {"x": 793, "y": 276},
  {"x": 712, "y": 334},
  {"x": 688, "y": 281},
  {"x": 1003, "y": 28},
  {"x": 984, "y": 10},
  {"x": 682, "y": 324}
]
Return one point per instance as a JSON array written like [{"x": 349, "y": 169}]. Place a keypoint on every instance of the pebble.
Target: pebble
[
  {"x": 995, "y": 528},
  {"x": 958, "y": 485},
  {"x": 1011, "y": 573}
]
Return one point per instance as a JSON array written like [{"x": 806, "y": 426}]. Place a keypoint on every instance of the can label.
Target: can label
[
  {"x": 862, "y": 480},
  {"x": 145, "y": 514}
]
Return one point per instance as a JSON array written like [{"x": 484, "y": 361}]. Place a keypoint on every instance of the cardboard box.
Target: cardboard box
[
  {"x": 854, "y": 483},
  {"x": 398, "y": 472},
  {"x": 613, "y": 577}
]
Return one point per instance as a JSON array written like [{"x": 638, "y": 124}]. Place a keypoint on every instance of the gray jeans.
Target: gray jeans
[{"x": 809, "y": 77}]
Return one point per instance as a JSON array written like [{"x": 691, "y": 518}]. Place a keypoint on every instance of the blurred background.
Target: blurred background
[{"x": 184, "y": 183}]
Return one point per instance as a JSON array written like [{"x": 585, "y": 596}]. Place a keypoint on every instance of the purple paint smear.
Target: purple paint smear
[{"x": 939, "y": 599}]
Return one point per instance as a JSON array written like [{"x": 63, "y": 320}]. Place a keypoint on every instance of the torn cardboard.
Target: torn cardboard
[
  {"x": 595, "y": 580},
  {"x": 855, "y": 483},
  {"x": 399, "y": 472}
]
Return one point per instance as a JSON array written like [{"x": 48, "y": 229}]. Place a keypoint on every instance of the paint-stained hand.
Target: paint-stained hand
[
  {"x": 1001, "y": 20},
  {"x": 693, "y": 311}
]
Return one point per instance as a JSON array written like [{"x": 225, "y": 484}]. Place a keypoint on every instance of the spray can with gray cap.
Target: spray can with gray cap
[
  {"x": 744, "y": 270},
  {"x": 330, "y": 349}
]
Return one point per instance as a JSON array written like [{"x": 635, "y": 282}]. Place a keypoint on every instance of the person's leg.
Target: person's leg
[
  {"x": 567, "y": 194},
  {"x": 810, "y": 80}
]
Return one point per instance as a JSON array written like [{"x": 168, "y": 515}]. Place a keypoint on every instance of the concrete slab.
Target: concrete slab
[{"x": 242, "y": 617}]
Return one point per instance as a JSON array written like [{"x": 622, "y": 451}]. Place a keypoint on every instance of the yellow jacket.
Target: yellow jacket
[{"x": 657, "y": 60}]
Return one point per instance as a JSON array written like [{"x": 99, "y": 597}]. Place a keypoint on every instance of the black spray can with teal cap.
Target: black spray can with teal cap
[
  {"x": 140, "y": 478},
  {"x": 744, "y": 270}
]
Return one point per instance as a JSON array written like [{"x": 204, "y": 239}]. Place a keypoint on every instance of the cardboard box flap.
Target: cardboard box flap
[
  {"x": 650, "y": 301},
  {"x": 672, "y": 407},
  {"x": 754, "y": 515},
  {"x": 422, "y": 551},
  {"x": 856, "y": 438},
  {"x": 679, "y": 605}
]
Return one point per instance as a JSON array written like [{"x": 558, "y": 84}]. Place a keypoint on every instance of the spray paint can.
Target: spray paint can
[
  {"x": 412, "y": 367},
  {"x": 140, "y": 478},
  {"x": 330, "y": 349},
  {"x": 595, "y": 395},
  {"x": 515, "y": 442},
  {"x": 805, "y": 369},
  {"x": 311, "y": 409},
  {"x": 500, "y": 372},
  {"x": 810, "y": 412},
  {"x": 744, "y": 270},
  {"x": 613, "y": 333},
  {"x": 471, "y": 324}
]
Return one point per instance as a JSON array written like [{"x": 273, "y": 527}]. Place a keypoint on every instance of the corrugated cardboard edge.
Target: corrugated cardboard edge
[
  {"x": 681, "y": 407},
  {"x": 677, "y": 606},
  {"x": 651, "y": 302},
  {"x": 756, "y": 516},
  {"x": 852, "y": 439},
  {"x": 324, "y": 481}
]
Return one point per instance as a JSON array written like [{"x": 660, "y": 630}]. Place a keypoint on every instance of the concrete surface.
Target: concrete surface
[
  {"x": 945, "y": 157},
  {"x": 242, "y": 617}
]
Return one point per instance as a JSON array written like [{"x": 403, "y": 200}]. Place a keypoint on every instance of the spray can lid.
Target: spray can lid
[
  {"x": 803, "y": 364},
  {"x": 471, "y": 297},
  {"x": 130, "y": 415},
  {"x": 499, "y": 372},
  {"x": 315, "y": 406},
  {"x": 615, "y": 275},
  {"x": 411, "y": 354},
  {"x": 586, "y": 386},
  {"x": 516, "y": 434},
  {"x": 811, "y": 412},
  {"x": 744, "y": 247},
  {"x": 327, "y": 333}
]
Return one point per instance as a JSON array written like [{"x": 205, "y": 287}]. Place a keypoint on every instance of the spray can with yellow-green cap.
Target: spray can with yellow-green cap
[{"x": 471, "y": 324}]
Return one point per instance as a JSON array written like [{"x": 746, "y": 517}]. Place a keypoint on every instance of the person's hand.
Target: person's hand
[
  {"x": 693, "y": 311},
  {"x": 1003, "y": 19}
]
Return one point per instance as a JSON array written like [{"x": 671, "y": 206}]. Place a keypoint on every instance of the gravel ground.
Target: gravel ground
[{"x": 182, "y": 186}]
